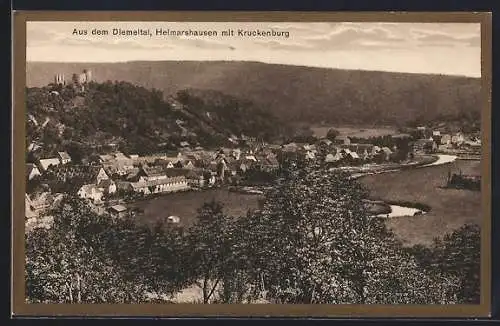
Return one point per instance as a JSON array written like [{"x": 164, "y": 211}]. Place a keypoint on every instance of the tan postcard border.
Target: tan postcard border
[{"x": 20, "y": 308}]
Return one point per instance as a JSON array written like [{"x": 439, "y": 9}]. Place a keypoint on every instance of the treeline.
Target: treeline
[{"x": 317, "y": 243}]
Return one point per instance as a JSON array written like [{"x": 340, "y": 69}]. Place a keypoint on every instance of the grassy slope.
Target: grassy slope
[{"x": 295, "y": 93}]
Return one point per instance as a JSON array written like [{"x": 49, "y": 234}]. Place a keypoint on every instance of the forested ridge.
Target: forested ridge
[
  {"x": 298, "y": 94},
  {"x": 137, "y": 119}
]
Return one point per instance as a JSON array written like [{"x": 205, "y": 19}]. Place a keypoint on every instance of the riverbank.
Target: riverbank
[
  {"x": 444, "y": 209},
  {"x": 371, "y": 169},
  {"x": 395, "y": 208},
  {"x": 401, "y": 211},
  {"x": 441, "y": 159}
]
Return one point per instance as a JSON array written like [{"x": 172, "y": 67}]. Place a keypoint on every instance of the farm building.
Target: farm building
[
  {"x": 458, "y": 139},
  {"x": 386, "y": 153},
  {"x": 64, "y": 157},
  {"x": 161, "y": 185},
  {"x": 309, "y": 155},
  {"x": 325, "y": 142},
  {"x": 106, "y": 158},
  {"x": 291, "y": 147},
  {"x": 47, "y": 162},
  {"x": 92, "y": 192},
  {"x": 98, "y": 184},
  {"x": 151, "y": 173},
  {"x": 331, "y": 158},
  {"x": 270, "y": 163},
  {"x": 118, "y": 211},
  {"x": 173, "y": 219},
  {"x": 33, "y": 147},
  {"x": 195, "y": 178}
]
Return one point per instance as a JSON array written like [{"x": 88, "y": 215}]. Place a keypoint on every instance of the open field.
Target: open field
[
  {"x": 472, "y": 167},
  {"x": 321, "y": 131},
  {"x": 450, "y": 208}
]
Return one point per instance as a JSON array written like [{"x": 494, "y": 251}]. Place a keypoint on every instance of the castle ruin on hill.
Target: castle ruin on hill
[{"x": 77, "y": 80}]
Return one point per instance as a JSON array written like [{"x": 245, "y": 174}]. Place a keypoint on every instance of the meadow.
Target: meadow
[{"x": 450, "y": 208}]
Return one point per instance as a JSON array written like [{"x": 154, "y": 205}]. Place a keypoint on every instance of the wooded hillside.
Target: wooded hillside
[
  {"x": 139, "y": 120},
  {"x": 295, "y": 93}
]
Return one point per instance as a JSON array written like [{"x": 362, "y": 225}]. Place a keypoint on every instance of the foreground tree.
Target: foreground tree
[
  {"x": 65, "y": 264},
  {"x": 210, "y": 242},
  {"x": 459, "y": 255},
  {"x": 318, "y": 244},
  {"x": 164, "y": 262},
  {"x": 73, "y": 262}
]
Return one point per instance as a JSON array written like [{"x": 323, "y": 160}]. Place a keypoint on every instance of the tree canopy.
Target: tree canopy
[
  {"x": 332, "y": 134},
  {"x": 311, "y": 241},
  {"x": 89, "y": 258},
  {"x": 318, "y": 244},
  {"x": 457, "y": 254}
]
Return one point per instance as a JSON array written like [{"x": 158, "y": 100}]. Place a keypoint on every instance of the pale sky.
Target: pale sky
[{"x": 437, "y": 48}]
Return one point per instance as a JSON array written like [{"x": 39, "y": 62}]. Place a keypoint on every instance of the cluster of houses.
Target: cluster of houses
[
  {"x": 436, "y": 140},
  {"x": 191, "y": 169},
  {"x": 116, "y": 173},
  {"x": 113, "y": 174},
  {"x": 339, "y": 151}
]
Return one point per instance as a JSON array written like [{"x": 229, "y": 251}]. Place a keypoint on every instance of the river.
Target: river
[
  {"x": 400, "y": 211},
  {"x": 186, "y": 204},
  {"x": 442, "y": 159}
]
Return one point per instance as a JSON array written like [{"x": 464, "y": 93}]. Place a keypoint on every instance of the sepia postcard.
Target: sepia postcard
[{"x": 251, "y": 164}]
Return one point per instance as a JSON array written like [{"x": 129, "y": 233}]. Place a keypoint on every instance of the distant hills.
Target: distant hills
[{"x": 297, "y": 94}]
